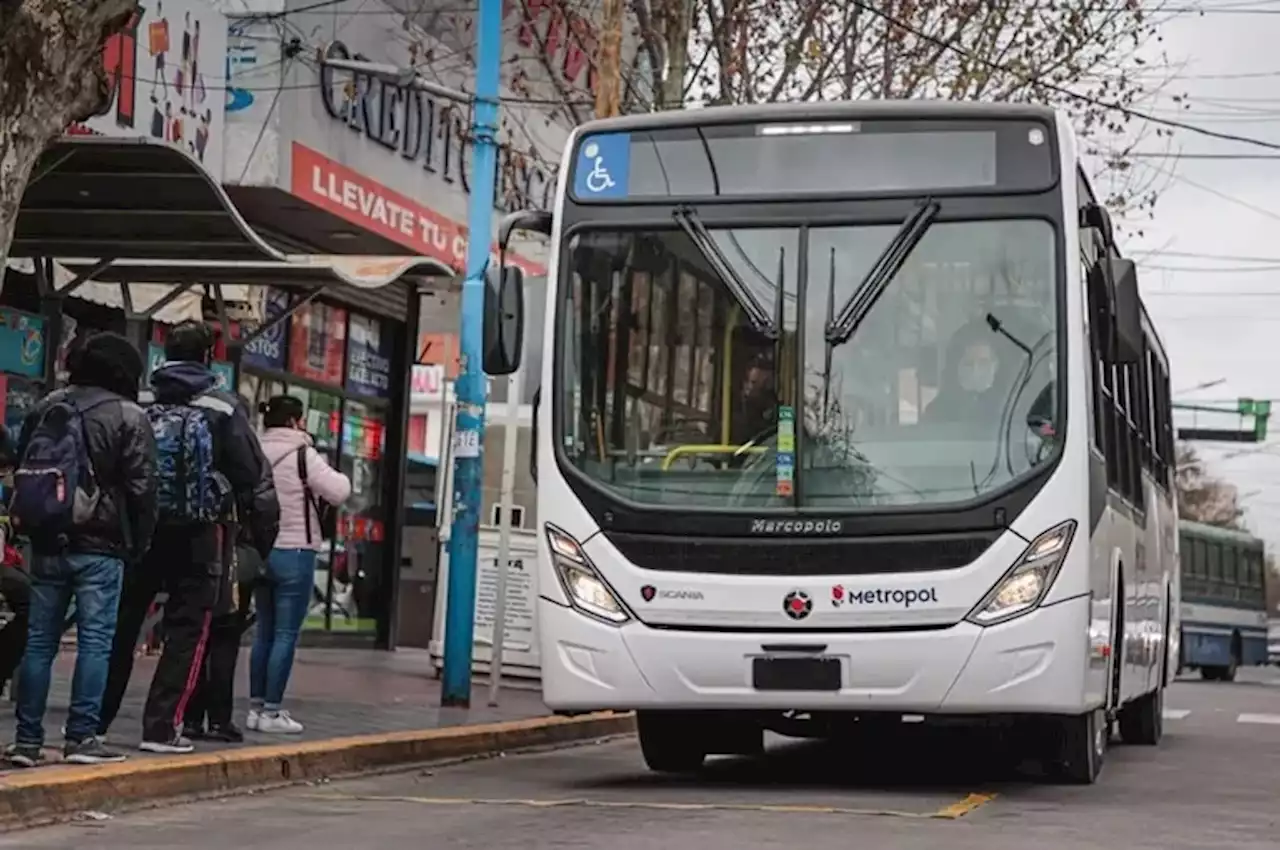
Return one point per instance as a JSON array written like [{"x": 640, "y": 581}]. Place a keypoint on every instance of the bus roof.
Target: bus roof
[
  {"x": 1215, "y": 533},
  {"x": 867, "y": 110}
]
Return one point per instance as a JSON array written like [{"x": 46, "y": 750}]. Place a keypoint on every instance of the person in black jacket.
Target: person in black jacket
[
  {"x": 187, "y": 561},
  {"x": 88, "y": 562},
  {"x": 15, "y": 582}
]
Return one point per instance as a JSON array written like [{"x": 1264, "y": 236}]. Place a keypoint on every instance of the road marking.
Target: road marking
[
  {"x": 1175, "y": 713},
  {"x": 1268, "y": 719},
  {"x": 971, "y": 803},
  {"x": 954, "y": 811}
]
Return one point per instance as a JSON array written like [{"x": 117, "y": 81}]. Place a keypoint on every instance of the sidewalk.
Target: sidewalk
[
  {"x": 333, "y": 692},
  {"x": 362, "y": 710}
]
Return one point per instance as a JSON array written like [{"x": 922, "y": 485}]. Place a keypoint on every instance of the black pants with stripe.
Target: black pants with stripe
[
  {"x": 214, "y": 699},
  {"x": 185, "y": 565}
]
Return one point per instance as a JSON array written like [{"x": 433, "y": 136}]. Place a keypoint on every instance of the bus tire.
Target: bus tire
[
  {"x": 669, "y": 742},
  {"x": 1082, "y": 747},
  {"x": 1142, "y": 721},
  {"x": 1237, "y": 655}
]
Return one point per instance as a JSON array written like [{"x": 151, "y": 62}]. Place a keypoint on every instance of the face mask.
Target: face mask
[{"x": 977, "y": 376}]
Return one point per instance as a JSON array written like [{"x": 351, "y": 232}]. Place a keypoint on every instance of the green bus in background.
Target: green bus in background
[{"x": 1224, "y": 600}]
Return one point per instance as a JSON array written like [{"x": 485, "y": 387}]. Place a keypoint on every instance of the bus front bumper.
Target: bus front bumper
[{"x": 1038, "y": 663}]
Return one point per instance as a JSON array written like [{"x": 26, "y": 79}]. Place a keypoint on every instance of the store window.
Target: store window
[{"x": 338, "y": 364}]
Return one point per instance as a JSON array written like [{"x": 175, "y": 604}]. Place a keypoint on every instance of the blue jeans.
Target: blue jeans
[
  {"x": 282, "y": 603},
  {"x": 93, "y": 581}
]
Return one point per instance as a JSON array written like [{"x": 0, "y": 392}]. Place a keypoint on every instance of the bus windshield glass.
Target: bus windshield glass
[{"x": 945, "y": 390}]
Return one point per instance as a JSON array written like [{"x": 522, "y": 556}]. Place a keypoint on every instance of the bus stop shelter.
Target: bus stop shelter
[
  {"x": 130, "y": 211},
  {"x": 134, "y": 211}
]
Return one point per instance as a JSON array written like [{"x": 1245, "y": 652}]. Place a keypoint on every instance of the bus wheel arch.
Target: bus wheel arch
[{"x": 1119, "y": 647}]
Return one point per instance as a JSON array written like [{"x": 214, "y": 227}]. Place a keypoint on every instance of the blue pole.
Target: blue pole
[{"x": 468, "y": 468}]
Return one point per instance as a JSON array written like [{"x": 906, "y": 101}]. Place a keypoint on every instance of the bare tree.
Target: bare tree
[
  {"x": 1082, "y": 56},
  {"x": 1203, "y": 497},
  {"x": 51, "y": 75}
]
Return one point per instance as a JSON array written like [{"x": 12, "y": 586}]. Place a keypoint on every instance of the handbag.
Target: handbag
[
  {"x": 251, "y": 567},
  {"x": 326, "y": 514}
]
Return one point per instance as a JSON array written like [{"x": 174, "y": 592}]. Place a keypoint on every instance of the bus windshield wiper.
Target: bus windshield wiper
[
  {"x": 887, "y": 265},
  {"x": 698, "y": 234}
]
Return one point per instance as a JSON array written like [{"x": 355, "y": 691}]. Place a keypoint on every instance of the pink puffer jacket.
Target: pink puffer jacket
[{"x": 280, "y": 445}]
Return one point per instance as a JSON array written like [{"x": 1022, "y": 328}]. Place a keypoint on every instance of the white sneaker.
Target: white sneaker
[
  {"x": 176, "y": 745},
  {"x": 253, "y": 720},
  {"x": 279, "y": 723}
]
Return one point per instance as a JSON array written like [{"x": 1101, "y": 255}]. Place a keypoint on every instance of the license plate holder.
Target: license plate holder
[{"x": 796, "y": 674}]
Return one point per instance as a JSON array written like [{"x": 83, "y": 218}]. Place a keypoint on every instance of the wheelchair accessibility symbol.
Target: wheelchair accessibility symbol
[{"x": 598, "y": 178}]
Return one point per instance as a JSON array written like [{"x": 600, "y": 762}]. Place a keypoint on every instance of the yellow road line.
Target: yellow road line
[{"x": 953, "y": 811}]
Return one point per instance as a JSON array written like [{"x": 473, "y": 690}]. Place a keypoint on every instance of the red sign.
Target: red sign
[
  {"x": 564, "y": 29},
  {"x": 317, "y": 341},
  {"x": 120, "y": 57},
  {"x": 355, "y": 198}
]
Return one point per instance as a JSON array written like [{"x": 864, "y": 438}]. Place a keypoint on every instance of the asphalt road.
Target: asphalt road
[{"x": 1215, "y": 781}]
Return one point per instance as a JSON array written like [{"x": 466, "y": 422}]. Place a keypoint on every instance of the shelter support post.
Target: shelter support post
[
  {"x": 135, "y": 323},
  {"x": 397, "y": 481},
  {"x": 459, "y": 633},
  {"x": 51, "y": 310}
]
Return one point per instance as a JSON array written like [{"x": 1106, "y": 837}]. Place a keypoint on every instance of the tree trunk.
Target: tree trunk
[
  {"x": 678, "y": 21},
  {"x": 51, "y": 74}
]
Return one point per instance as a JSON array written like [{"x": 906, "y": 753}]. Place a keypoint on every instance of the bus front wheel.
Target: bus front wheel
[
  {"x": 669, "y": 742},
  {"x": 1082, "y": 747}
]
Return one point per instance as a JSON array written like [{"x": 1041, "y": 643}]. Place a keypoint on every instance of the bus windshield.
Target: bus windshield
[{"x": 946, "y": 389}]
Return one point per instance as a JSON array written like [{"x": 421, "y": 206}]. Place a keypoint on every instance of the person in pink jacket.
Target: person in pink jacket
[{"x": 282, "y": 600}]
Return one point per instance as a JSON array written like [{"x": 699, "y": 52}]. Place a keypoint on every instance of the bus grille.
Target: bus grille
[{"x": 837, "y": 556}]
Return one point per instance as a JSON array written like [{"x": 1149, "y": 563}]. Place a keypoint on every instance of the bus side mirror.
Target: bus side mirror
[
  {"x": 503, "y": 321},
  {"x": 1096, "y": 217},
  {"x": 1127, "y": 307}
]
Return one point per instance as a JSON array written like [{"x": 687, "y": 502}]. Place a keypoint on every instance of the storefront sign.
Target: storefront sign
[
  {"x": 165, "y": 71},
  {"x": 267, "y": 351},
  {"x": 368, "y": 358},
  {"x": 334, "y": 187},
  {"x": 21, "y": 343},
  {"x": 223, "y": 371},
  {"x": 430, "y": 131},
  {"x": 317, "y": 340}
]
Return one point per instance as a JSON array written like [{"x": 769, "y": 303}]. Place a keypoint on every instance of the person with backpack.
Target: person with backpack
[
  {"x": 85, "y": 495},
  {"x": 209, "y": 469},
  {"x": 310, "y": 492}
]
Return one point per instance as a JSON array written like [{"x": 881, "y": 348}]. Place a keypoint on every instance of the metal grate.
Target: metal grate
[{"x": 840, "y": 556}]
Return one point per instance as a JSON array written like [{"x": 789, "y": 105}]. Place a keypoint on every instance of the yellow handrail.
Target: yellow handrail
[{"x": 710, "y": 449}]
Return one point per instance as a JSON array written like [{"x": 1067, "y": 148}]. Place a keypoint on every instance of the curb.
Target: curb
[{"x": 52, "y": 793}]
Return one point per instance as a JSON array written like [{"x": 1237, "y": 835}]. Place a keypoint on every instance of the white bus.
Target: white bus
[{"x": 849, "y": 412}]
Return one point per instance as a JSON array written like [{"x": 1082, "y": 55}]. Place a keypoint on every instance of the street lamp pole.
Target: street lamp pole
[
  {"x": 471, "y": 386},
  {"x": 468, "y": 463}
]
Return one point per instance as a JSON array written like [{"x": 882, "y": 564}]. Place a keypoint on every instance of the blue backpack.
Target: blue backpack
[
  {"x": 190, "y": 491},
  {"x": 55, "y": 486}
]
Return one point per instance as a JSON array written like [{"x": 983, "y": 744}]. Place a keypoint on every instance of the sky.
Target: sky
[{"x": 1209, "y": 261}]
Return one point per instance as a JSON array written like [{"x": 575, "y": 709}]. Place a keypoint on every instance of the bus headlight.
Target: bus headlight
[
  {"x": 585, "y": 588},
  {"x": 1023, "y": 587}
]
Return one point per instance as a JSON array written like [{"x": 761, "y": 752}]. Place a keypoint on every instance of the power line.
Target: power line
[
  {"x": 1065, "y": 92},
  {"x": 1224, "y": 157}
]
